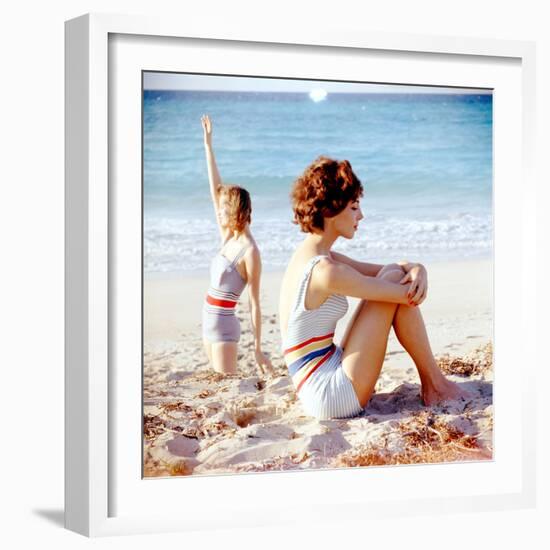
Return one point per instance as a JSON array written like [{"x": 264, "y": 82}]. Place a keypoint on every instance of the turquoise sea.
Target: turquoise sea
[{"x": 425, "y": 161}]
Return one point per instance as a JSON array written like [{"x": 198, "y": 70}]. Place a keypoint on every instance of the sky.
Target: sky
[{"x": 178, "y": 81}]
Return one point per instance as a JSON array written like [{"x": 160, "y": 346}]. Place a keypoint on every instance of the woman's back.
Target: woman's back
[
  {"x": 290, "y": 286},
  {"x": 308, "y": 339}
]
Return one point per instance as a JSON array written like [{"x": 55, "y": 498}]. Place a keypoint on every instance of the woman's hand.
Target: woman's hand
[
  {"x": 263, "y": 362},
  {"x": 207, "y": 130},
  {"x": 418, "y": 289}
]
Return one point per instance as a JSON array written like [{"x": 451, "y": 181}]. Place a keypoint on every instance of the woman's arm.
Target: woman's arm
[
  {"x": 253, "y": 265},
  {"x": 417, "y": 275},
  {"x": 364, "y": 268},
  {"x": 334, "y": 277},
  {"x": 213, "y": 173}
]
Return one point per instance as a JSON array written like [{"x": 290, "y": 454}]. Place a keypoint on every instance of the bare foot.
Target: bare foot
[{"x": 443, "y": 391}]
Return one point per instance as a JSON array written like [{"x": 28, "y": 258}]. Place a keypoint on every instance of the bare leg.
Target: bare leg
[
  {"x": 383, "y": 274},
  {"x": 364, "y": 344},
  {"x": 411, "y": 332},
  {"x": 208, "y": 349},
  {"x": 222, "y": 356}
]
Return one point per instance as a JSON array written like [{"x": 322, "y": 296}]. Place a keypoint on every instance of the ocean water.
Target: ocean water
[{"x": 425, "y": 161}]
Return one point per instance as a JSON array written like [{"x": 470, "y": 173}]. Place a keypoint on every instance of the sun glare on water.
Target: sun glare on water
[{"x": 318, "y": 95}]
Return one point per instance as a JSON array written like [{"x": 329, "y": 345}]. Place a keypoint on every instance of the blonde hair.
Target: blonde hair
[{"x": 239, "y": 206}]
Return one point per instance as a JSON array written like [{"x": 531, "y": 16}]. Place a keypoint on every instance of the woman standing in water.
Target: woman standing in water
[
  {"x": 338, "y": 381},
  {"x": 237, "y": 264}
]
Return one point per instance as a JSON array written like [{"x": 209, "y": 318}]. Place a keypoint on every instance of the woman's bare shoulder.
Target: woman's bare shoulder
[
  {"x": 325, "y": 268},
  {"x": 252, "y": 252}
]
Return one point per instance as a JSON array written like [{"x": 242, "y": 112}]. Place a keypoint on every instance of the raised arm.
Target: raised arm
[
  {"x": 213, "y": 173},
  {"x": 254, "y": 270}
]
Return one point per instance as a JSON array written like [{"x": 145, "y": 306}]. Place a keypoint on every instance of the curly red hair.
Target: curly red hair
[{"x": 325, "y": 188}]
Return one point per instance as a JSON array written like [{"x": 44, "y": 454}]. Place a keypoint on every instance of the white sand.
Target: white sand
[{"x": 200, "y": 422}]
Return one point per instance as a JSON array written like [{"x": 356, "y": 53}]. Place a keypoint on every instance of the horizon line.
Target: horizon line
[{"x": 440, "y": 92}]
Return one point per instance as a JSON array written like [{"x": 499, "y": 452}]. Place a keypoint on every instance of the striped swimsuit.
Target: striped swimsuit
[
  {"x": 219, "y": 322},
  {"x": 314, "y": 362}
]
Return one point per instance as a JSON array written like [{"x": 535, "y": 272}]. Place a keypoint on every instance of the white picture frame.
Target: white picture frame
[{"x": 103, "y": 494}]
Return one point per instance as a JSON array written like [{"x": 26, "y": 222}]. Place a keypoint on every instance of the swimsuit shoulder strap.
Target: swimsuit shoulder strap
[
  {"x": 306, "y": 276},
  {"x": 239, "y": 255}
]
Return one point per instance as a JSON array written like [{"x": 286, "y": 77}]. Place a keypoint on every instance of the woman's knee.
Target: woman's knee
[
  {"x": 389, "y": 268},
  {"x": 392, "y": 275}
]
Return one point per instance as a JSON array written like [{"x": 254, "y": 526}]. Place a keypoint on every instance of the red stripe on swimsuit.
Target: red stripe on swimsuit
[
  {"x": 307, "y": 342},
  {"x": 220, "y": 303}
]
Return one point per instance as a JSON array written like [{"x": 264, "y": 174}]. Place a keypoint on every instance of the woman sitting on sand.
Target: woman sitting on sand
[
  {"x": 338, "y": 381},
  {"x": 237, "y": 264}
]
